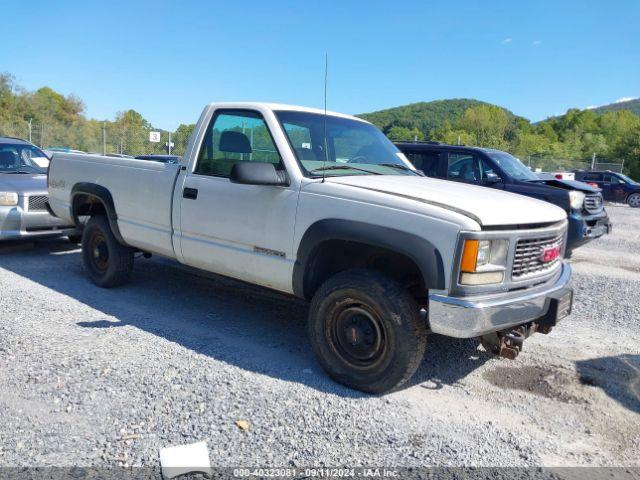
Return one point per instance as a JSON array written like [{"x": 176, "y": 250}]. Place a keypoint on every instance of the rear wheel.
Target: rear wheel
[
  {"x": 366, "y": 331},
  {"x": 108, "y": 262},
  {"x": 634, "y": 200}
]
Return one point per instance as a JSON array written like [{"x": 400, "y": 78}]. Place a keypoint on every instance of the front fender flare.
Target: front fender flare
[{"x": 423, "y": 253}]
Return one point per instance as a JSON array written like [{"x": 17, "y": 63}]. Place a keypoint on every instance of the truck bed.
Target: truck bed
[{"x": 142, "y": 192}]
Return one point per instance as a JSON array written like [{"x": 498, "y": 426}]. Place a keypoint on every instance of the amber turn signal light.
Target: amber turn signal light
[{"x": 469, "y": 256}]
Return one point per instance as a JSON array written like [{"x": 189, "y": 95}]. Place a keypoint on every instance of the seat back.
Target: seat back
[{"x": 8, "y": 160}]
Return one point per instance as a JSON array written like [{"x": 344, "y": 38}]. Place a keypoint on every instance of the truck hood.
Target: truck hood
[
  {"x": 486, "y": 206},
  {"x": 23, "y": 183}
]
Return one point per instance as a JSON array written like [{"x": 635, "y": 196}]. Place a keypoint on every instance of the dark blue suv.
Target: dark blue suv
[
  {"x": 616, "y": 187},
  {"x": 497, "y": 169}
]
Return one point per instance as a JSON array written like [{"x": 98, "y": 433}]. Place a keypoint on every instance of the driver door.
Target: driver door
[
  {"x": 615, "y": 187},
  {"x": 242, "y": 231}
]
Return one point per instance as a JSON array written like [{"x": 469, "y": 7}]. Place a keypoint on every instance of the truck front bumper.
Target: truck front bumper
[
  {"x": 467, "y": 317},
  {"x": 584, "y": 228}
]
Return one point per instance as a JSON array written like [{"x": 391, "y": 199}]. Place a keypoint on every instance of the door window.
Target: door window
[
  {"x": 470, "y": 168},
  {"x": 593, "y": 177},
  {"x": 612, "y": 179},
  {"x": 431, "y": 163},
  {"x": 236, "y": 136}
]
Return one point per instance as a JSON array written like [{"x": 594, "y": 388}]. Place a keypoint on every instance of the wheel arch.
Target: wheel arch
[
  {"x": 635, "y": 192},
  {"x": 317, "y": 251},
  {"x": 89, "y": 199}
]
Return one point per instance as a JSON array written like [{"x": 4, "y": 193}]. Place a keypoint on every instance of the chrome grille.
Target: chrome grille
[
  {"x": 38, "y": 203},
  {"x": 527, "y": 262},
  {"x": 593, "y": 203}
]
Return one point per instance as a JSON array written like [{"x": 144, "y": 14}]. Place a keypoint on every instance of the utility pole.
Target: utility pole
[
  {"x": 251, "y": 154},
  {"x": 593, "y": 161},
  {"x": 104, "y": 138},
  {"x": 30, "y": 129}
]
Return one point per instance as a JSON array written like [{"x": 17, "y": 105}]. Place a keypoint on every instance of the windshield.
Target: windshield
[
  {"x": 627, "y": 179},
  {"x": 353, "y": 147},
  {"x": 512, "y": 166},
  {"x": 22, "y": 158}
]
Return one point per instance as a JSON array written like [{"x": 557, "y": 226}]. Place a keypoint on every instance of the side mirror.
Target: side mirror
[
  {"x": 257, "y": 173},
  {"x": 492, "y": 178}
]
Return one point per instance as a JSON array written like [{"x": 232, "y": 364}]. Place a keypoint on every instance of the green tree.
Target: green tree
[
  {"x": 404, "y": 134},
  {"x": 487, "y": 123}
]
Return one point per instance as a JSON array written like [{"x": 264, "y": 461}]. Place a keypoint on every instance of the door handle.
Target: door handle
[{"x": 190, "y": 193}]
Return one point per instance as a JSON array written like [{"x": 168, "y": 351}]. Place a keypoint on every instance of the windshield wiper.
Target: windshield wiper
[
  {"x": 402, "y": 167},
  {"x": 343, "y": 167},
  {"x": 20, "y": 171}
]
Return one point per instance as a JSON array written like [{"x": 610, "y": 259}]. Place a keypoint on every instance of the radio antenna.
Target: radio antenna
[{"x": 326, "y": 150}]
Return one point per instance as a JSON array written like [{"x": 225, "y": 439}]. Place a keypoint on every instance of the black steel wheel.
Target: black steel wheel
[
  {"x": 358, "y": 335},
  {"x": 108, "y": 262},
  {"x": 366, "y": 331}
]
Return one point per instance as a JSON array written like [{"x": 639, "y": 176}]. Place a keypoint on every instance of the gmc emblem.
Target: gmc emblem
[{"x": 549, "y": 254}]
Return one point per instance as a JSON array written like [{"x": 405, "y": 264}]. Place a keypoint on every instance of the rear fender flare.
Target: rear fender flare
[{"x": 104, "y": 196}]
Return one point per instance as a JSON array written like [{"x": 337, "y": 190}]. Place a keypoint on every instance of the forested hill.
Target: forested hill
[
  {"x": 632, "y": 105},
  {"x": 424, "y": 116},
  {"x": 611, "y": 132}
]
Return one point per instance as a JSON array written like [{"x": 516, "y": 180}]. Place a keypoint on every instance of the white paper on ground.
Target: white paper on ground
[{"x": 183, "y": 459}]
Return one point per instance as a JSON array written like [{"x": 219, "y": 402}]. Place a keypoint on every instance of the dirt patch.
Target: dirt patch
[{"x": 543, "y": 381}]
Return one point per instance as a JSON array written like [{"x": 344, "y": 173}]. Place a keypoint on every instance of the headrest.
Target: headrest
[{"x": 234, "y": 142}]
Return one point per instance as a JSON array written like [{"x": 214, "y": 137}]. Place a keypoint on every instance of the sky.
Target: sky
[{"x": 166, "y": 60}]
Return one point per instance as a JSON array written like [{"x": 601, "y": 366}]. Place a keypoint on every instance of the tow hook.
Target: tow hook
[
  {"x": 511, "y": 343},
  {"x": 508, "y": 343}
]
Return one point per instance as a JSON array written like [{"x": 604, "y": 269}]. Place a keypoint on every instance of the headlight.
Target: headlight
[
  {"x": 576, "y": 199},
  {"x": 8, "y": 198},
  {"x": 483, "y": 261}
]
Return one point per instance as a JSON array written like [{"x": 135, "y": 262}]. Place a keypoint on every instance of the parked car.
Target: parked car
[
  {"x": 51, "y": 150},
  {"x": 23, "y": 194},
  {"x": 324, "y": 207},
  {"x": 160, "y": 158},
  {"x": 499, "y": 170},
  {"x": 616, "y": 187}
]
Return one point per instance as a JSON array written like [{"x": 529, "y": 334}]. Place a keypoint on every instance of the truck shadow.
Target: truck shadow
[
  {"x": 249, "y": 327},
  {"x": 618, "y": 377}
]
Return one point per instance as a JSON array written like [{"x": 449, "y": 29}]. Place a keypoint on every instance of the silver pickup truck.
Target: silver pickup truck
[{"x": 325, "y": 208}]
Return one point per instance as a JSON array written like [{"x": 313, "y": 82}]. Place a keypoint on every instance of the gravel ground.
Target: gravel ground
[{"x": 95, "y": 377}]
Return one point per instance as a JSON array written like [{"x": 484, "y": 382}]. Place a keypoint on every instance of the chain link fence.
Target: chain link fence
[
  {"x": 114, "y": 138},
  {"x": 102, "y": 138},
  {"x": 539, "y": 163}
]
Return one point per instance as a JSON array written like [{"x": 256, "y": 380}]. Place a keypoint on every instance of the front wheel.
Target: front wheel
[
  {"x": 108, "y": 262},
  {"x": 634, "y": 200},
  {"x": 366, "y": 331}
]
